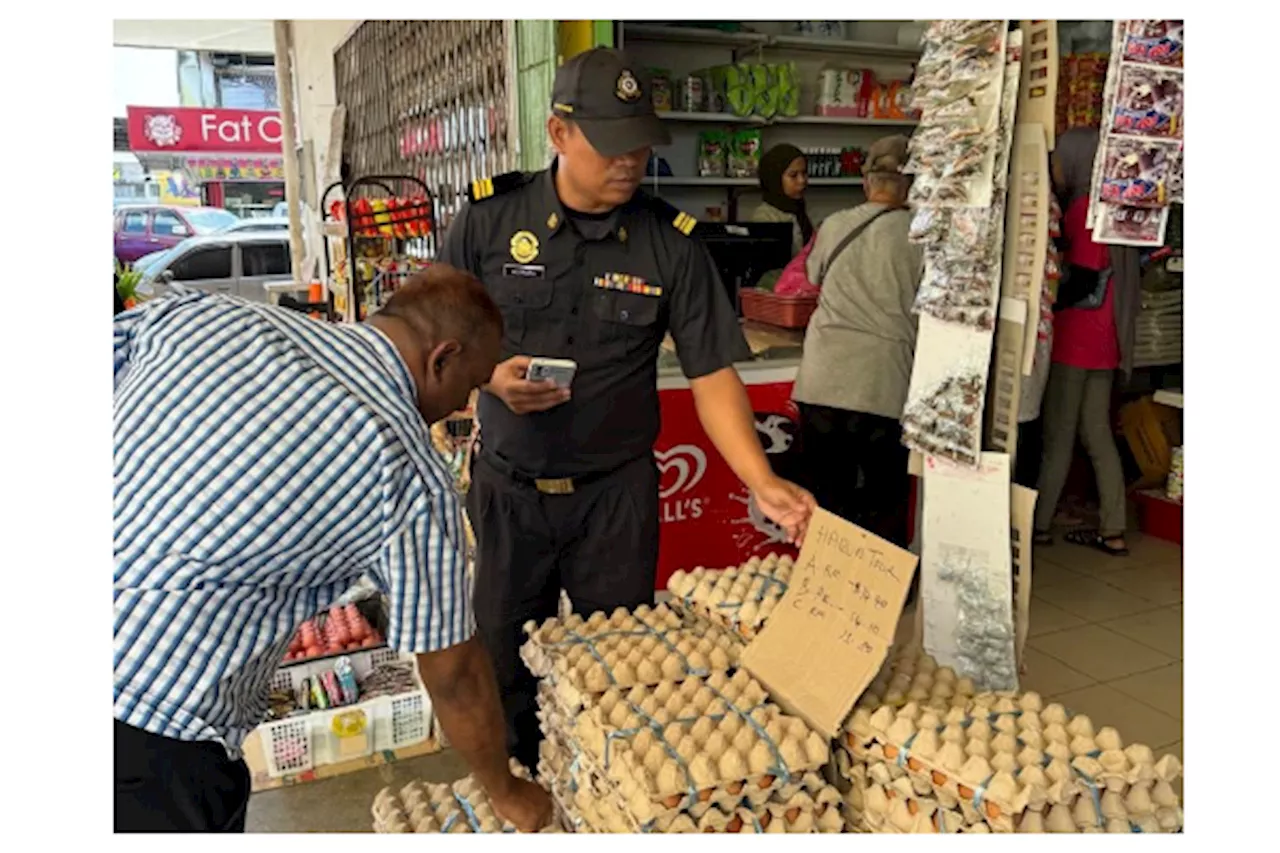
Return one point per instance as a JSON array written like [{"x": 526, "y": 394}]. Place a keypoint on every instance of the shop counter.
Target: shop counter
[{"x": 706, "y": 516}]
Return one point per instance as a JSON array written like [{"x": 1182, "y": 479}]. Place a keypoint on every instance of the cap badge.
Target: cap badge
[
  {"x": 628, "y": 89},
  {"x": 524, "y": 247}
]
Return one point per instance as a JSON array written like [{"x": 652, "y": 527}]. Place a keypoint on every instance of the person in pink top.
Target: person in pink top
[{"x": 1092, "y": 336}]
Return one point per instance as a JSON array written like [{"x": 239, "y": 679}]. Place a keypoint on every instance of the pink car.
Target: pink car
[{"x": 142, "y": 229}]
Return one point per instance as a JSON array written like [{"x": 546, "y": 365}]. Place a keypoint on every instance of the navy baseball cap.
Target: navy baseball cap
[{"x": 609, "y": 97}]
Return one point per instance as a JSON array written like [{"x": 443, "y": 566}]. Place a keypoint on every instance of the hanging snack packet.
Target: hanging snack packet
[
  {"x": 1148, "y": 102},
  {"x": 1154, "y": 42},
  {"x": 1136, "y": 172}
]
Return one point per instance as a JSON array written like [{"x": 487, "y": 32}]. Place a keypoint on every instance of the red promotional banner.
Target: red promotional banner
[
  {"x": 707, "y": 517},
  {"x": 179, "y": 129}
]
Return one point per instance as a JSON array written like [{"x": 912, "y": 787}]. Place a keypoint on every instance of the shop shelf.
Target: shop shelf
[
  {"x": 674, "y": 181},
  {"x": 847, "y": 121},
  {"x": 852, "y": 48},
  {"x": 690, "y": 35},
  {"x": 714, "y": 118}
]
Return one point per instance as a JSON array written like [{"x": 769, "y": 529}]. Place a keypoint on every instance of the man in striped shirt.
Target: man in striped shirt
[{"x": 263, "y": 463}]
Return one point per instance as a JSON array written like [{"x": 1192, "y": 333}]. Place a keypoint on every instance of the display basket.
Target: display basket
[
  {"x": 788, "y": 312},
  {"x": 401, "y": 720}
]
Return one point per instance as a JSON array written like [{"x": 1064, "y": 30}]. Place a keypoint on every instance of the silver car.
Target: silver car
[{"x": 250, "y": 264}]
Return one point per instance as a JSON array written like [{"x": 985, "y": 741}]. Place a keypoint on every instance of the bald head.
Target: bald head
[{"x": 448, "y": 330}]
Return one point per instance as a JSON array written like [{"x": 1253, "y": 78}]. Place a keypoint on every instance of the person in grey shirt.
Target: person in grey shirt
[{"x": 858, "y": 352}]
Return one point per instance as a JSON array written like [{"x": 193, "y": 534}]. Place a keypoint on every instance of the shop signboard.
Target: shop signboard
[
  {"x": 707, "y": 516},
  {"x": 172, "y": 130}
]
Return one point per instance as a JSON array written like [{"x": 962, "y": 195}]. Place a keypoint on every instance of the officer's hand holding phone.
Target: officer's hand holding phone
[{"x": 509, "y": 384}]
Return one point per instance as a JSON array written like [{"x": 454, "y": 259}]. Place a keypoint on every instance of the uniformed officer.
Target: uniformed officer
[{"x": 564, "y": 492}]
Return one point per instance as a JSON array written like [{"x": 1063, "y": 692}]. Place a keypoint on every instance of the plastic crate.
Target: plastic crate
[
  {"x": 788, "y": 312},
  {"x": 401, "y": 720},
  {"x": 286, "y": 746}
]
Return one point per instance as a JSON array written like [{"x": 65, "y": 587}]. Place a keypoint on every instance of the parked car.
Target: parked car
[
  {"x": 261, "y": 223},
  {"x": 142, "y": 228},
  {"x": 247, "y": 264}
]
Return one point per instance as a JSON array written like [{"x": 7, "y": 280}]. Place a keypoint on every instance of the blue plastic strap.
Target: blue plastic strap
[
  {"x": 905, "y": 749},
  {"x": 1093, "y": 791},
  {"x": 781, "y": 767}
]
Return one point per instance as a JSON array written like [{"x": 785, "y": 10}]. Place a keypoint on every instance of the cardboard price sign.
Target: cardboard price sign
[{"x": 830, "y": 633}]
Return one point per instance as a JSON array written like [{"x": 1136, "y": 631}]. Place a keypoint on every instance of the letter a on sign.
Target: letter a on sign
[{"x": 830, "y": 633}]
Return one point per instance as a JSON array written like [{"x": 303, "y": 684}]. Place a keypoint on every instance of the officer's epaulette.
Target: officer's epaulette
[
  {"x": 483, "y": 188},
  {"x": 676, "y": 218}
]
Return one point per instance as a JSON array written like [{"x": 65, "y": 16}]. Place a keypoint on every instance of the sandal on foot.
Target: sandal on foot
[
  {"x": 1094, "y": 539},
  {"x": 1042, "y": 537}
]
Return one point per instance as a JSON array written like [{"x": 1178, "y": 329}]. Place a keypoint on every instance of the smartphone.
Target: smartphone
[{"x": 558, "y": 370}]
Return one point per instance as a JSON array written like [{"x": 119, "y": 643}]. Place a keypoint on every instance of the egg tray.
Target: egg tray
[
  {"x": 590, "y": 811},
  {"x": 651, "y": 645},
  {"x": 697, "y": 741},
  {"x": 463, "y": 806},
  {"x": 804, "y": 804},
  {"x": 901, "y": 807},
  {"x": 1008, "y": 756},
  {"x": 910, "y": 675},
  {"x": 739, "y": 599}
]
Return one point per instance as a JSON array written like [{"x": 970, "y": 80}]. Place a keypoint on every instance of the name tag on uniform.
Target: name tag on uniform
[
  {"x": 627, "y": 283},
  {"x": 524, "y": 270}
]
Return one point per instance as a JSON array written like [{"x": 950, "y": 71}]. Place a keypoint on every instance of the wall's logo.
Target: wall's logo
[
  {"x": 689, "y": 464},
  {"x": 162, "y": 129}
]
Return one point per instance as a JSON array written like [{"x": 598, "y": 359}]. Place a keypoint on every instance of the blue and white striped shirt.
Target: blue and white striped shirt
[{"x": 263, "y": 463}]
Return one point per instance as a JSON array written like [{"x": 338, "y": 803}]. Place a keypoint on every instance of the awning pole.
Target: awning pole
[{"x": 289, "y": 144}]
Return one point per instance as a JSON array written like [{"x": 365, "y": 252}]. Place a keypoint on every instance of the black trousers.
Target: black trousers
[
  {"x": 167, "y": 785},
  {"x": 599, "y": 544},
  {"x": 856, "y": 467}
]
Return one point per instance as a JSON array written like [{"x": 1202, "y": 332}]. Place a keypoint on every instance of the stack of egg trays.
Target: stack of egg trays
[
  {"x": 582, "y": 659},
  {"x": 1010, "y": 762},
  {"x": 463, "y": 806},
  {"x": 596, "y": 764},
  {"x": 739, "y": 599}
]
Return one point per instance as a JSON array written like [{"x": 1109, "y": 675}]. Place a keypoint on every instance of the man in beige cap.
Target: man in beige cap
[{"x": 858, "y": 352}]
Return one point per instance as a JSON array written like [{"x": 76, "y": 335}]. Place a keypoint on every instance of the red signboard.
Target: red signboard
[
  {"x": 707, "y": 517},
  {"x": 179, "y": 129}
]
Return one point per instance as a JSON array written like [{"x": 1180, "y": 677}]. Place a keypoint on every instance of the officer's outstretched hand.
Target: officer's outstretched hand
[
  {"x": 508, "y": 384},
  {"x": 788, "y": 506}
]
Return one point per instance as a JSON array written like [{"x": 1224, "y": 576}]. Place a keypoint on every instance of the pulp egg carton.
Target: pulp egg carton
[
  {"x": 461, "y": 807},
  {"x": 1007, "y": 756},
  {"x": 739, "y": 598},
  {"x": 714, "y": 740},
  {"x": 586, "y": 658},
  {"x": 910, "y": 675},
  {"x": 902, "y": 807}
]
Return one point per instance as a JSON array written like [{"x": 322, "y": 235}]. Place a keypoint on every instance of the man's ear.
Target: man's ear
[
  {"x": 557, "y": 132},
  {"x": 442, "y": 354}
]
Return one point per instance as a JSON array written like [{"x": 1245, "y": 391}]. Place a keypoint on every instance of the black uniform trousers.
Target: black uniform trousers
[
  {"x": 600, "y": 544},
  {"x": 856, "y": 466},
  {"x": 168, "y": 785}
]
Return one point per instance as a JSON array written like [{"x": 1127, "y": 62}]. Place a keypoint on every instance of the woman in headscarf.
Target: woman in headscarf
[
  {"x": 1093, "y": 334},
  {"x": 783, "y": 180}
]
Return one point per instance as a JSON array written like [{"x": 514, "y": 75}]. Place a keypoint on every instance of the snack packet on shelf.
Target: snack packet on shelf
[
  {"x": 1137, "y": 172},
  {"x": 1149, "y": 102}
]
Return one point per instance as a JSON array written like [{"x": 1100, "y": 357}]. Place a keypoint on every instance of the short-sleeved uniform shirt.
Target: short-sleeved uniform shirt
[
  {"x": 602, "y": 292},
  {"x": 1083, "y": 337}
]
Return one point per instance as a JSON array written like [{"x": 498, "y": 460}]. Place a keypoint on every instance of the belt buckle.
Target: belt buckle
[{"x": 561, "y": 486}]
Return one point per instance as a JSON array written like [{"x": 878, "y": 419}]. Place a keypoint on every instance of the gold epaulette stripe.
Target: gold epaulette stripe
[
  {"x": 481, "y": 189},
  {"x": 684, "y": 223}
]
